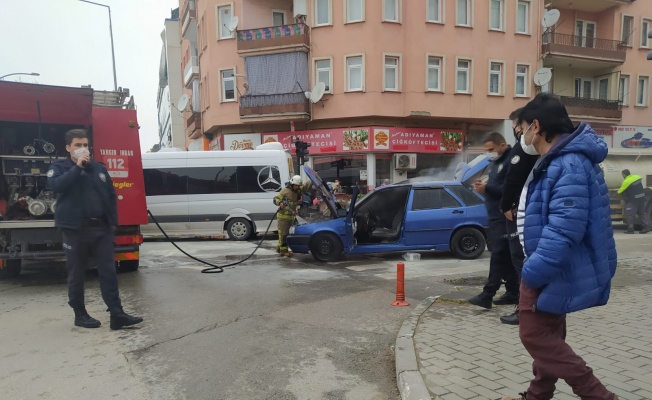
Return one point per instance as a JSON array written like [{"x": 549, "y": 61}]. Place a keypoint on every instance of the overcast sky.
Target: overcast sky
[{"x": 68, "y": 43}]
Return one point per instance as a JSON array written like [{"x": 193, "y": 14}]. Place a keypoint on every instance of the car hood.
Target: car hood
[
  {"x": 322, "y": 190},
  {"x": 464, "y": 172}
]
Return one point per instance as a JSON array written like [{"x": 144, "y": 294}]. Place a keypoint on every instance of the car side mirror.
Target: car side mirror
[{"x": 341, "y": 213}]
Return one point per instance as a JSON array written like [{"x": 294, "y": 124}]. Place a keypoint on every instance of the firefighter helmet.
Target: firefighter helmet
[{"x": 296, "y": 180}]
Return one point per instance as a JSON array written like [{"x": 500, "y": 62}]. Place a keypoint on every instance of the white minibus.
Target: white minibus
[{"x": 204, "y": 193}]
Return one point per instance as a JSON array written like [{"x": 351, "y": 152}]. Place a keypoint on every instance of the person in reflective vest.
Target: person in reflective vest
[
  {"x": 634, "y": 195},
  {"x": 287, "y": 201}
]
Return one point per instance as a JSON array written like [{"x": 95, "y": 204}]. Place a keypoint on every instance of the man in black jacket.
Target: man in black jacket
[
  {"x": 86, "y": 213},
  {"x": 500, "y": 263},
  {"x": 520, "y": 165}
]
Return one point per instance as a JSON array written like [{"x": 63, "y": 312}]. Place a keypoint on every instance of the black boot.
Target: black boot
[
  {"x": 83, "y": 320},
  {"x": 482, "y": 300},
  {"x": 645, "y": 230},
  {"x": 120, "y": 319},
  {"x": 510, "y": 319},
  {"x": 507, "y": 298}
]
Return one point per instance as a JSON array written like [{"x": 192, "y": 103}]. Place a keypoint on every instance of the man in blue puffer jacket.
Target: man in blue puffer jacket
[{"x": 565, "y": 224}]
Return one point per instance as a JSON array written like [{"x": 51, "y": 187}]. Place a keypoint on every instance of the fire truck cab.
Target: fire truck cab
[{"x": 33, "y": 121}]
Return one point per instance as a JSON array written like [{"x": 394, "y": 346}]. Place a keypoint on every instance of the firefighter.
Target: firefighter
[
  {"x": 632, "y": 191},
  {"x": 86, "y": 214},
  {"x": 287, "y": 201}
]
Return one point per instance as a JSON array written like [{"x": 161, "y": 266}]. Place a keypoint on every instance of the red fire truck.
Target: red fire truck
[{"x": 33, "y": 121}]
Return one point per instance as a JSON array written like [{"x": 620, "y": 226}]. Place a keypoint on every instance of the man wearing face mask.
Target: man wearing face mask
[
  {"x": 500, "y": 263},
  {"x": 520, "y": 165},
  {"x": 86, "y": 214},
  {"x": 564, "y": 223}
]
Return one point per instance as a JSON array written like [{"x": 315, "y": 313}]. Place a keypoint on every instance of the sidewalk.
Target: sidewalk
[{"x": 463, "y": 352}]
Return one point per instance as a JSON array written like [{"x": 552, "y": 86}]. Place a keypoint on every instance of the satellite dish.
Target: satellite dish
[
  {"x": 317, "y": 92},
  {"x": 550, "y": 18},
  {"x": 233, "y": 25},
  {"x": 183, "y": 102},
  {"x": 542, "y": 76}
]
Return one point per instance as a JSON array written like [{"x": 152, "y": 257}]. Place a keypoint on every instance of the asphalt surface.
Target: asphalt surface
[{"x": 267, "y": 329}]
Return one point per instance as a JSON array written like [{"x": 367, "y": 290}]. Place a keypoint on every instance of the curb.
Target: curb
[{"x": 408, "y": 377}]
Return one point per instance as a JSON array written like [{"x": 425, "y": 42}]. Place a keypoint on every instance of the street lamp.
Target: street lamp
[
  {"x": 20, "y": 73},
  {"x": 115, "y": 80}
]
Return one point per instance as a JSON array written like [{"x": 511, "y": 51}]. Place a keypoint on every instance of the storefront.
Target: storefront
[{"x": 365, "y": 157}]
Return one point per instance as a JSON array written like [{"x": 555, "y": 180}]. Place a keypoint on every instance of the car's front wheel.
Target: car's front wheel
[
  {"x": 468, "y": 243},
  {"x": 326, "y": 247}
]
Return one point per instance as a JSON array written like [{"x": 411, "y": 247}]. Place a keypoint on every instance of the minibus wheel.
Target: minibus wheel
[{"x": 239, "y": 229}]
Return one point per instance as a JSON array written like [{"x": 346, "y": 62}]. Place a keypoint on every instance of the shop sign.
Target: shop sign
[
  {"x": 377, "y": 139},
  {"x": 607, "y": 134},
  {"x": 633, "y": 137},
  {"x": 241, "y": 141}
]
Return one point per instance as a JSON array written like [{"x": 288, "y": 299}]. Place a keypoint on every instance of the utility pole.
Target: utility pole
[{"x": 115, "y": 80}]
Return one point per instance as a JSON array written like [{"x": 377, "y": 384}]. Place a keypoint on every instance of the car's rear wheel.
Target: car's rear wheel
[
  {"x": 239, "y": 229},
  {"x": 326, "y": 247},
  {"x": 468, "y": 243}
]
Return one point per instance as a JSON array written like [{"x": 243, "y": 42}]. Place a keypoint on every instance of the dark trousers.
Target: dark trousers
[
  {"x": 515, "y": 248},
  {"x": 80, "y": 246},
  {"x": 634, "y": 208},
  {"x": 544, "y": 336},
  {"x": 500, "y": 263}
]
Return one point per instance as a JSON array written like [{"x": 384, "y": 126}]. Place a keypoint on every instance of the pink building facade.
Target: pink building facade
[{"x": 415, "y": 80}]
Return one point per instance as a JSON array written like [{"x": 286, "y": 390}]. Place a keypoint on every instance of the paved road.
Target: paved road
[{"x": 268, "y": 329}]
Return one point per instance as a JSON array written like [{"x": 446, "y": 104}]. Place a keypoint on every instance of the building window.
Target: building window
[
  {"x": 224, "y": 15},
  {"x": 583, "y": 88},
  {"x": 354, "y": 73},
  {"x": 641, "y": 91},
  {"x": 463, "y": 13},
  {"x": 391, "y": 10},
  {"x": 278, "y": 18},
  {"x": 228, "y": 85},
  {"x": 323, "y": 73},
  {"x": 522, "y": 72},
  {"x": 523, "y": 17},
  {"x": 354, "y": 10},
  {"x": 626, "y": 35},
  {"x": 623, "y": 90},
  {"x": 463, "y": 78},
  {"x": 603, "y": 89},
  {"x": 434, "y": 74},
  {"x": 391, "y": 72},
  {"x": 322, "y": 12},
  {"x": 646, "y": 26},
  {"x": 496, "y": 12},
  {"x": 433, "y": 14},
  {"x": 585, "y": 33},
  {"x": 495, "y": 78}
]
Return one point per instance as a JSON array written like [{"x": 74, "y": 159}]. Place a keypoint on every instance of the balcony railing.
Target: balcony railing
[
  {"x": 295, "y": 37},
  {"x": 598, "y": 108},
  {"x": 583, "y": 47},
  {"x": 274, "y": 104},
  {"x": 191, "y": 71}
]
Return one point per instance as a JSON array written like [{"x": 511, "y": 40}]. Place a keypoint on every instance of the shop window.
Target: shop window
[{"x": 346, "y": 169}]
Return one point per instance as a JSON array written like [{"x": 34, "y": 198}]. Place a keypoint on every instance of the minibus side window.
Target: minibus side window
[{"x": 165, "y": 181}]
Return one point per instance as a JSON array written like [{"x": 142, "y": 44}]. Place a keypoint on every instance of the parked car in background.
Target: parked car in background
[{"x": 415, "y": 215}]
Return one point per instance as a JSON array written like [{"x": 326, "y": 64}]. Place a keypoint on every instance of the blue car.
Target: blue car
[{"x": 415, "y": 215}]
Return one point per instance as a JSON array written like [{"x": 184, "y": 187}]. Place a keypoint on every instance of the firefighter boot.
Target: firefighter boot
[
  {"x": 120, "y": 319},
  {"x": 83, "y": 320}
]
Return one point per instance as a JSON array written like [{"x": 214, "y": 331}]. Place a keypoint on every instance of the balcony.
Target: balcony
[
  {"x": 559, "y": 48},
  {"x": 593, "y": 6},
  {"x": 274, "y": 39},
  {"x": 193, "y": 125},
  {"x": 594, "y": 108},
  {"x": 189, "y": 17},
  {"x": 191, "y": 71},
  {"x": 292, "y": 106}
]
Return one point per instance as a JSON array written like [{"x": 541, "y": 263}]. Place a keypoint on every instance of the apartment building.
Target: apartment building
[
  {"x": 410, "y": 86},
  {"x": 170, "y": 119}
]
